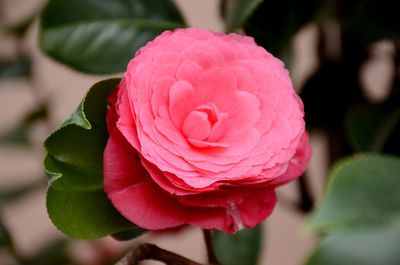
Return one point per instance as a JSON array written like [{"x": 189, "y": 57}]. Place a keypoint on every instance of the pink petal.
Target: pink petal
[
  {"x": 180, "y": 101},
  {"x": 136, "y": 197},
  {"x": 219, "y": 127},
  {"x": 165, "y": 57},
  {"x": 297, "y": 164},
  {"x": 126, "y": 122},
  {"x": 189, "y": 71},
  {"x": 202, "y": 54},
  {"x": 216, "y": 86},
  {"x": 129, "y": 188},
  {"x": 255, "y": 208},
  {"x": 196, "y": 126},
  {"x": 168, "y": 129},
  {"x": 206, "y": 144},
  {"x": 160, "y": 93},
  {"x": 243, "y": 114},
  {"x": 245, "y": 80}
]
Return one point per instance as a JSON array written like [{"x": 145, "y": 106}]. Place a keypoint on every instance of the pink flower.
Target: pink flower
[{"x": 203, "y": 127}]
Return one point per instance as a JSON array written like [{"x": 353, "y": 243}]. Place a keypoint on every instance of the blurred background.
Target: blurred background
[{"x": 37, "y": 94}]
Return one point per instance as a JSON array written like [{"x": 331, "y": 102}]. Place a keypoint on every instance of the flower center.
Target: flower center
[{"x": 204, "y": 124}]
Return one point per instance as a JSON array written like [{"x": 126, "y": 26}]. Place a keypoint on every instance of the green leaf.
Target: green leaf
[
  {"x": 19, "y": 67},
  {"x": 368, "y": 127},
  {"x": 362, "y": 191},
  {"x": 241, "y": 248},
  {"x": 84, "y": 214},
  {"x": 76, "y": 201},
  {"x": 360, "y": 213},
  {"x": 237, "y": 12},
  {"x": 101, "y": 36},
  {"x": 376, "y": 246}
]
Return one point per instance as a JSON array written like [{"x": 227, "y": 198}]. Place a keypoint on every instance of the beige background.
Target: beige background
[{"x": 27, "y": 219}]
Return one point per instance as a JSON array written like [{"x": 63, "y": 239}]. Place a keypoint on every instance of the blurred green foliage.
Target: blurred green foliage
[
  {"x": 360, "y": 213},
  {"x": 241, "y": 248}
]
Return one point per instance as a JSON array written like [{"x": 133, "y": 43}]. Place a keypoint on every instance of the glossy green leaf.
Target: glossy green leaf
[
  {"x": 241, "y": 248},
  {"x": 362, "y": 191},
  {"x": 369, "y": 127},
  {"x": 237, "y": 11},
  {"x": 84, "y": 214},
  {"x": 19, "y": 67},
  {"x": 375, "y": 246},
  {"x": 102, "y": 36},
  {"x": 76, "y": 201}
]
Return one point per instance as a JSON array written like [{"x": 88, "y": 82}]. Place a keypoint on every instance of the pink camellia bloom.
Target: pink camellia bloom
[{"x": 203, "y": 127}]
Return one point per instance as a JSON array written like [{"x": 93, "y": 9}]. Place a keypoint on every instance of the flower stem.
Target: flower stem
[
  {"x": 212, "y": 259},
  {"x": 149, "y": 251}
]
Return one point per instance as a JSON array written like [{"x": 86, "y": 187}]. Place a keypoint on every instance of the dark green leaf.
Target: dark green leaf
[
  {"x": 19, "y": 67},
  {"x": 237, "y": 12},
  {"x": 362, "y": 191},
  {"x": 76, "y": 201},
  {"x": 130, "y": 234},
  {"x": 241, "y": 248},
  {"x": 369, "y": 127},
  {"x": 84, "y": 214},
  {"x": 102, "y": 36}
]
